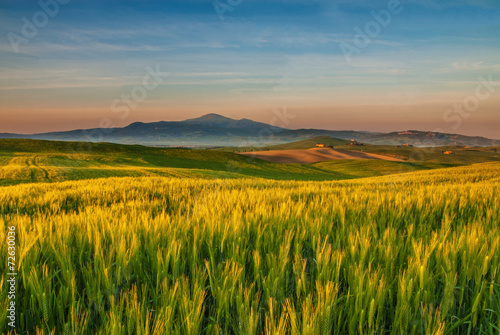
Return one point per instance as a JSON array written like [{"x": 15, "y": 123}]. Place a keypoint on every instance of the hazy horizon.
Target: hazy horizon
[
  {"x": 337, "y": 65},
  {"x": 280, "y": 125}
]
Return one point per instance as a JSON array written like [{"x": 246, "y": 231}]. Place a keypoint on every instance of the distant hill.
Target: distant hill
[
  {"x": 10, "y": 135},
  {"x": 210, "y": 125},
  {"x": 208, "y": 130},
  {"x": 459, "y": 154},
  {"x": 217, "y": 130},
  {"x": 299, "y": 134},
  {"x": 428, "y": 138},
  {"x": 309, "y": 143},
  {"x": 411, "y": 137}
]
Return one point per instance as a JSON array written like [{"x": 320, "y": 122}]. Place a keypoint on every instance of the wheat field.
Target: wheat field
[{"x": 407, "y": 254}]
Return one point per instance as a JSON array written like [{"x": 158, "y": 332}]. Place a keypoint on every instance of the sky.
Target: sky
[{"x": 337, "y": 64}]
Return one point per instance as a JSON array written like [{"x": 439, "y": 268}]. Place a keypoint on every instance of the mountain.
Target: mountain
[
  {"x": 10, "y": 135},
  {"x": 216, "y": 120},
  {"x": 428, "y": 139},
  {"x": 208, "y": 130},
  {"x": 218, "y": 130},
  {"x": 410, "y": 137}
]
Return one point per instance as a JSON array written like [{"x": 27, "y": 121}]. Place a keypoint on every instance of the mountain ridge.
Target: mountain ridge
[{"x": 218, "y": 130}]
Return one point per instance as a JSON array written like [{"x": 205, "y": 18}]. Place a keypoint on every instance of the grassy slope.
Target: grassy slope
[
  {"x": 298, "y": 145},
  {"x": 309, "y": 143},
  {"x": 24, "y": 161},
  {"x": 371, "y": 168},
  {"x": 460, "y": 156}
]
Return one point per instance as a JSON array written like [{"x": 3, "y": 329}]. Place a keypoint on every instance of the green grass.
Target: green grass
[
  {"x": 118, "y": 239},
  {"x": 418, "y": 254},
  {"x": 460, "y": 155},
  {"x": 24, "y": 161},
  {"x": 371, "y": 168}
]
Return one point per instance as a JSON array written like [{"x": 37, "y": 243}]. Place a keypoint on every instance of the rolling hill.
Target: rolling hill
[
  {"x": 315, "y": 155},
  {"x": 308, "y": 143},
  {"x": 26, "y": 161},
  {"x": 290, "y": 152}
]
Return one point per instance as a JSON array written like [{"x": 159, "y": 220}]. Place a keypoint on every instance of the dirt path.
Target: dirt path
[{"x": 314, "y": 155}]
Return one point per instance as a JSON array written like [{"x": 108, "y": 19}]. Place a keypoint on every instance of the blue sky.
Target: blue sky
[{"x": 262, "y": 55}]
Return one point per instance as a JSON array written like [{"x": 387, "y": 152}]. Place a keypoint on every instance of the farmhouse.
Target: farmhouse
[
  {"x": 320, "y": 145},
  {"x": 448, "y": 152},
  {"x": 354, "y": 142}
]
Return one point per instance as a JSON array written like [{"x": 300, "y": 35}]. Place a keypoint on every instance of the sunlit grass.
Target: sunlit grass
[{"x": 416, "y": 253}]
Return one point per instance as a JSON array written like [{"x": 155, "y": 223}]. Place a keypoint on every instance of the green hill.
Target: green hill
[
  {"x": 460, "y": 155},
  {"x": 23, "y": 161},
  {"x": 297, "y": 145},
  {"x": 309, "y": 143},
  {"x": 371, "y": 168}
]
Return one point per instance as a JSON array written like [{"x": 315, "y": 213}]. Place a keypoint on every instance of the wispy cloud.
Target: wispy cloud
[{"x": 266, "y": 50}]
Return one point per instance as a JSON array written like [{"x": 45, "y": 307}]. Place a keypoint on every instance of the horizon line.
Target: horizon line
[{"x": 242, "y": 119}]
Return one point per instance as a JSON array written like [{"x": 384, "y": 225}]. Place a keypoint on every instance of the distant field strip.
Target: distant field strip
[
  {"x": 404, "y": 254},
  {"x": 314, "y": 155}
]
